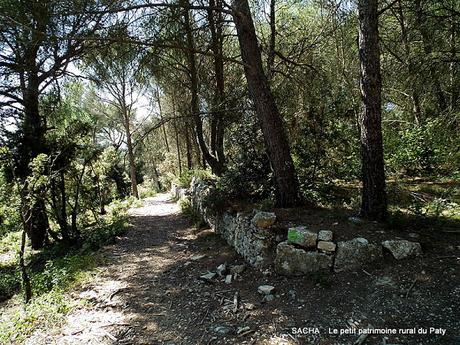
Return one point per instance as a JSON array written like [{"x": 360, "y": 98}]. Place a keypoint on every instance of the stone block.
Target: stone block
[
  {"x": 264, "y": 219},
  {"x": 327, "y": 246},
  {"x": 303, "y": 237},
  {"x": 402, "y": 249},
  {"x": 325, "y": 235},
  {"x": 355, "y": 253},
  {"x": 292, "y": 261}
]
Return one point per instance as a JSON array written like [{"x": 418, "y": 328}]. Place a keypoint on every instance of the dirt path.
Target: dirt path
[
  {"x": 150, "y": 293},
  {"x": 132, "y": 298}
]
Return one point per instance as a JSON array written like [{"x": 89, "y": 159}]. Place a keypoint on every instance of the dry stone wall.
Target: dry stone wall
[
  {"x": 249, "y": 233},
  {"x": 300, "y": 251}
]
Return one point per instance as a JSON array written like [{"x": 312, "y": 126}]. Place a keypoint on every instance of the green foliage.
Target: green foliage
[
  {"x": 193, "y": 215},
  {"x": 216, "y": 199},
  {"x": 9, "y": 215},
  {"x": 148, "y": 188},
  {"x": 54, "y": 272},
  {"x": 185, "y": 179},
  {"x": 51, "y": 300},
  {"x": 422, "y": 150},
  {"x": 10, "y": 281},
  {"x": 104, "y": 233},
  {"x": 248, "y": 175},
  {"x": 414, "y": 152}
]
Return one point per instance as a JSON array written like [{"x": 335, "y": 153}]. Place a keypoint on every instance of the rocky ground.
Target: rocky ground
[{"x": 169, "y": 283}]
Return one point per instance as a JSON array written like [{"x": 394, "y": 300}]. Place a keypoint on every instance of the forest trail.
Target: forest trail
[{"x": 133, "y": 299}]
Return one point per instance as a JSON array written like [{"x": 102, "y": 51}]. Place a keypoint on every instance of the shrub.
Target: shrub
[
  {"x": 185, "y": 179},
  {"x": 189, "y": 211}
]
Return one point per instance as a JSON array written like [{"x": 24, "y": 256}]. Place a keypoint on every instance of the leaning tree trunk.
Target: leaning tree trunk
[
  {"x": 374, "y": 201},
  {"x": 286, "y": 183}
]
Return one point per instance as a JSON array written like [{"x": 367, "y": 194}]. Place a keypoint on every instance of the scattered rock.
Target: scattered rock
[
  {"x": 197, "y": 257},
  {"x": 402, "y": 249},
  {"x": 292, "y": 294},
  {"x": 242, "y": 329},
  {"x": 269, "y": 298},
  {"x": 228, "y": 279},
  {"x": 264, "y": 219},
  {"x": 327, "y": 246},
  {"x": 221, "y": 269},
  {"x": 301, "y": 236},
  {"x": 292, "y": 261},
  {"x": 355, "y": 220},
  {"x": 265, "y": 289},
  {"x": 208, "y": 276},
  {"x": 413, "y": 235},
  {"x": 266, "y": 272},
  {"x": 237, "y": 269},
  {"x": 354, "y": 253},
  {"x": 89, "y": 295},
  {"x": 249, "y": 306},
  {"x": 325, "y": 235},
  {"x": 385, "y": 281},
  {"x": 222, "y": 330},
  {"x": 187, "y": 263}
]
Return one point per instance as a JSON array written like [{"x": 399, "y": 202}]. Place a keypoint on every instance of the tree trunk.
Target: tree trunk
[
  {"x": 188, "y": 144},
  {"x": 161, "y": 119},
  {"x": 176, "y": 135},
  {"x": 131, "y": 159},
  {"x": 218, "y": 123},
  {"x": 24, "y": 275},
  {"x": 453, "y": 67},
  {"x": 75, "y": 209},
  {"x": 374, "y": 201},
  {"x": 34, "y": 144},
  {"x": 215, "y": 165},
  {"x": 286, "y": 183}
]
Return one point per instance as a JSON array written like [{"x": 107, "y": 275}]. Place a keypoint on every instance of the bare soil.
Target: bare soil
[{"x": 150, "y": 291}]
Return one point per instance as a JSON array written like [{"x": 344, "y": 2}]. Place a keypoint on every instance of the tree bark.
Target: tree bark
[
  {"x": 215, "y": 165},
  {"x": 24, "y": 275},
  {"x": 161, "y": 119},
  {"x": 131, "y": 159},
  {"x": 188, "y": 145},
  {"x": 218, "y": 124},
  {"x": 176, "y": 135},
  {"x": 286, "y": 183},
  {"x": 374, "y": 201},
  {"x": 453, "y": 67},
  {"x": 34, "y": 144}
]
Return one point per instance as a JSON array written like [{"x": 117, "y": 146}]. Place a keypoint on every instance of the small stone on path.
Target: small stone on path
[
  {"x": 228, "y": 279},
  {"x": 208, "y": 276},
  {"x": 265, "y": 289},
  {"x": 197, "y": 257}
]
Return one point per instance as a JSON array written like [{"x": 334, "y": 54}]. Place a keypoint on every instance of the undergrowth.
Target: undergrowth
[
  {"x": 54, "y": 273},
  {"x": 191, "y": 213}
]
